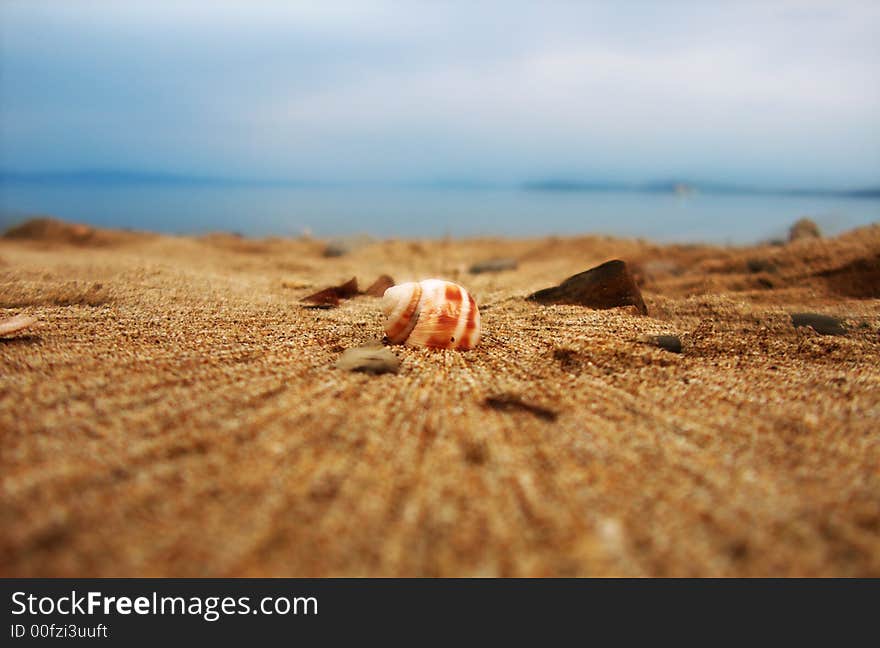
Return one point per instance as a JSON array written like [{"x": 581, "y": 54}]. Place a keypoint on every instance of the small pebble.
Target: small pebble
[
  {"x": 823, "y": 324},
  {"x": 335, "y": 250},
  {"x": 803, "y": 229},
  {"x": 668, "y": 342},
  {"x": 761, "y": 265},
  {"x": 346, "y": 245},
  {"x": 494, "y": 265},
  {"x": 369, "y": 359}
]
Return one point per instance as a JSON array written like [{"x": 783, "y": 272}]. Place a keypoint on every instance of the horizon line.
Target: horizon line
[{"x": 682, "y": 186}]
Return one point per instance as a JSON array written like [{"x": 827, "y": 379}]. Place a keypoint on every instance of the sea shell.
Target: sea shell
[{"x": 431, "y": 313}]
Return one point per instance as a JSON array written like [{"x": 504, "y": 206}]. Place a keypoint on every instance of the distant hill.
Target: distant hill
[
  {"x": 684, "y": 187},
  {"x": 109, "y": 177}
]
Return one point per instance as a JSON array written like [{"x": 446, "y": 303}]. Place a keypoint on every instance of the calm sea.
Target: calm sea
[{"x": 435, "y": 212}]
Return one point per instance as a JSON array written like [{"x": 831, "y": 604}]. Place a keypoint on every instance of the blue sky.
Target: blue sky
[{"x": 782, "y": 93}]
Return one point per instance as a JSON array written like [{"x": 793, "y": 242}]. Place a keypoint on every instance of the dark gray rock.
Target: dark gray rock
[
  {"x": 370, "y": 358},
  {"x": 670, "y": 343},
  {"x": 494, "y": 265},
  {"x": 823, "y": 324},
  {"x": 341, "y": 246},
  {"x": 606, "y": 286}
]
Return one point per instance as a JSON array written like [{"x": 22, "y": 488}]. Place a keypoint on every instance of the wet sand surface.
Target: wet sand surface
[{"x": 176, "y": 411}]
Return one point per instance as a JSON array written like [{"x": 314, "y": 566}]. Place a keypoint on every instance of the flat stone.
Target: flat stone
[
  {"x": 670, "y": 343},
  {"x": 329, "y": 297},
  {"x": 494, "y": 265},
  {"x": 609, "y": 285},
  {"x": 822, "y": 324},
  {"x": 378, "y": 287},
  {"x": 370, "y": 358}
]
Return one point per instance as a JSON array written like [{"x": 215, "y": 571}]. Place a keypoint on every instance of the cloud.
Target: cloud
[{"x": 495, "y": 90}]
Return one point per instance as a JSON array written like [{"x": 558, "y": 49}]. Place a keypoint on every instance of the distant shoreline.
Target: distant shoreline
[
  {"x": 690, "y": 188},
  {"x": 675, "y": 187}
]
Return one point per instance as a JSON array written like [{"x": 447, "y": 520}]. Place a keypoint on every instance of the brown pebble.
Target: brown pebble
[
  {"x": 16, "y": 324},
  {"x": 378, "y": 287},
  {"x": 512, "y": 402},
  {"x": 757, "y": 265},
  {"x": 493, "y": 265},
  {"x": 369, "y": 358},
  {"x": 330, "y": 297},
  {"x": 335, "y": 250},
  {"x": 326, "y": 298},
  {"x": 822, "y": 324},
  {"x": 568, "y": 359},
  {"x": 346, "y": 245},
  {"x": 670, "y": 343},
  {"x": 803, "y": 229},
  {"x": 609, "y": 285}
]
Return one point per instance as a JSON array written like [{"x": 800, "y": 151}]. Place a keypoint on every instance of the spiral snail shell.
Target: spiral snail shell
[{"x": 431, "y": 313}]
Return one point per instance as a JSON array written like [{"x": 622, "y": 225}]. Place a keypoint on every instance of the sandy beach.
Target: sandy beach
[{"x": 176, "y": 411}]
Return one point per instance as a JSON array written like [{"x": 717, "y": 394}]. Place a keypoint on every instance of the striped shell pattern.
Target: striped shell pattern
[{"x": 431, "y": 313}]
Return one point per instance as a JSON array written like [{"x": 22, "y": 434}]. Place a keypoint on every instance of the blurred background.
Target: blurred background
[{"x": 682, "y": 121}]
